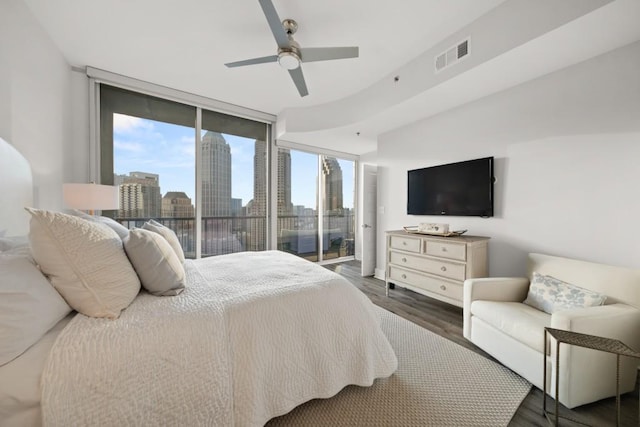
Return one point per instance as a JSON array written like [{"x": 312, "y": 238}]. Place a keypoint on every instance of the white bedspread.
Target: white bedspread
[{"x": 252, "y": 336}]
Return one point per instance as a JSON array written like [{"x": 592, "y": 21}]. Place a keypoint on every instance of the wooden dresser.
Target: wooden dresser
[{"x": 435, "y": 266}]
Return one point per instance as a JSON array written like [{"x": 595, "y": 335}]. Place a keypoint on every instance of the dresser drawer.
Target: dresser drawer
[
  {"x": 446, "y": 269},
  {"x": 405, "y": 260},
  {"x": 449, "y": 250},
  {"x": 431, "y": 284},
  {"x": 411, "y": 244}
]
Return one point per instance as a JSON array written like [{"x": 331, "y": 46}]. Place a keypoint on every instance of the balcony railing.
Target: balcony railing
[{"x": 296, "y": 234}]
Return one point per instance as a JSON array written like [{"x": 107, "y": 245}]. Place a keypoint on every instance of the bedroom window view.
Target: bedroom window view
[
  {"x": 149, "y": 150},
  {"x": 233, "y": 196},
  {"x": 306, "y": 202},
  {"x": 154, "y": 168}
]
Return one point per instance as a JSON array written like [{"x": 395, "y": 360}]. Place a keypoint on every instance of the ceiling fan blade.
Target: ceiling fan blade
[
  {"x": 311, "y": 54},
  {"x": 298, "y": 79},
  {"x": 275, "y": 24},
  {"x": 262, "y": 60}
]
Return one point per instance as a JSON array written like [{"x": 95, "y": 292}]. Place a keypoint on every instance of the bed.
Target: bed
[{"x": 237, "y": 340}]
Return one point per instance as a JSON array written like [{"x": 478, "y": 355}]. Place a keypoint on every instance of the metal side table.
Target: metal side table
[{"x": 587, "y": 341}]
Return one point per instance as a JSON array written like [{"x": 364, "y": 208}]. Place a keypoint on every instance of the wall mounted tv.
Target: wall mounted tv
[{"x": 458, "y": 189}]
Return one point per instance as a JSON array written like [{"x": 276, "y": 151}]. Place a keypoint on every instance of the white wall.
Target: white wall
[
  {"x": 34, "y": 99},
  {"x": 567, "y": 149}
]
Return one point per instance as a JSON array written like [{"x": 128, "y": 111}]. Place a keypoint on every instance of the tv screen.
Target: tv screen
[{"x": 459, "y": 189}]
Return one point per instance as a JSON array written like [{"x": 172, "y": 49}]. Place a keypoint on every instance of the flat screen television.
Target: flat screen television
[{"x": 458, "y": 189}]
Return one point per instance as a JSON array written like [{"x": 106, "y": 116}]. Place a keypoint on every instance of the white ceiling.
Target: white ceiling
[{"x": 184, "y": 45}]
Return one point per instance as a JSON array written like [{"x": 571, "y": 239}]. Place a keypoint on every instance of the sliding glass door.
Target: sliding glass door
[
  {"x": 315, "y": 205},
  {"x": 297, "y": 203},
  {"x": 338, "y": 219},
  {"x": 233, "y": 174}
]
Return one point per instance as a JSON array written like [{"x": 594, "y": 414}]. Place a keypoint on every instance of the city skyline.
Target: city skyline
[{"x": 168, "y": 151}]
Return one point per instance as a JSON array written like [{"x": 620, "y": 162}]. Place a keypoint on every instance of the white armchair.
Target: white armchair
[{"x": 496, "y": 320}]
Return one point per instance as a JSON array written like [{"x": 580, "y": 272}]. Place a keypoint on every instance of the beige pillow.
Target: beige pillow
[
  {"x": 122, "y": 231},
  {"x": 84, "y": 261},
  {"x": 157, "y": 265},
  {"x": 168, "y": 234}
]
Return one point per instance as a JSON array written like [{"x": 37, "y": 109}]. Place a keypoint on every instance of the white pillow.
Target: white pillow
[
  {"x": 548, "y": 294},
  {"x": 85, "y": 262},
  {"x": 29, "y": 306},
  {"x": 157, "y": 265},
  {"x": 122, "y": 231},
  {"x": 168, "y": 234}
]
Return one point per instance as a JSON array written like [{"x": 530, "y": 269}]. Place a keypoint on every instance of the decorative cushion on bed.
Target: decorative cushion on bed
[
  {"x": 29, "y": 306},
  {"x": 85, "y": 262},
  {"x": 168, "y": 234},
  {"x": 122, "y": 231},
  {"x": 157, "y": 265},
  {"x": 550, "y": 295}
]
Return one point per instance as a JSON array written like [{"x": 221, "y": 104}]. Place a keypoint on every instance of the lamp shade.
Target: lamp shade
[{"x": 90, "y": 196}]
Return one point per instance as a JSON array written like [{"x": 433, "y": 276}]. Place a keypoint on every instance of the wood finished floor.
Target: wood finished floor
[{"x": 446, "y": 320}]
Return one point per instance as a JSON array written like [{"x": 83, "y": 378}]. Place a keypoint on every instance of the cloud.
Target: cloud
[
  {"x": 132, "y": 147},
  {"x": 127, "y": 124}
]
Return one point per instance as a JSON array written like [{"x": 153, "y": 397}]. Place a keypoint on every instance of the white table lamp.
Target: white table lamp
[{"x": 90, "y": 197}]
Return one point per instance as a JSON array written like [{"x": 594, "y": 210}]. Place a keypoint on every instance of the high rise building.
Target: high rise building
[
  {"x": 176, "y": 204},
  {"x": 236, "y": 207},
  {"x": 216, "y": 175},
  {"x": 131, "y": 201},
  {"x": 259, "y": 205},
  {"x": 139, "y": 195},
  {"x": 285, "y": 206},
  {"x": 332, "y": 183}
]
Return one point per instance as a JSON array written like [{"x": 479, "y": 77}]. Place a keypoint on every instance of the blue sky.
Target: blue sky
[{"x": 169, "y": 151}]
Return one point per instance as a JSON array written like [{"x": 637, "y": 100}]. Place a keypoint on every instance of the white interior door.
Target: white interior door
[{"x": 369, "y": 203}]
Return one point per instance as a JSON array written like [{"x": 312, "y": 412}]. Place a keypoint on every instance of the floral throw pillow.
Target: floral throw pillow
[{"x": 550, "y": 295}]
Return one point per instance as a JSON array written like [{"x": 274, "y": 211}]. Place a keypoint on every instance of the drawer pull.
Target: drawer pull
[
  {"x": 404, "y": 260},
  {"x": 443, "y": 268},
  {"x": 443, "y": 287},
  {"x": 404, "y": 243},
  {"x": 444, "y": 249},
  {"x": 404, "y": 276}
]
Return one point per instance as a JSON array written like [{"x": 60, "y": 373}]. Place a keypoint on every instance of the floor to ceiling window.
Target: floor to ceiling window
[
  {"x": 338, "y": 215},
  {"x": 316, "y": 217},
  {"x": 152, "y": 148},
  {"x": 234, "y": 184}
]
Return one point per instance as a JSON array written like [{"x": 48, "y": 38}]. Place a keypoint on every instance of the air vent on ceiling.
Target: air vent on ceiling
[{"x": 452, "y": 55}]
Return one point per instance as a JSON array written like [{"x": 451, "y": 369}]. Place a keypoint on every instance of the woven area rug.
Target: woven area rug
[{"x": 438, "y": 383}]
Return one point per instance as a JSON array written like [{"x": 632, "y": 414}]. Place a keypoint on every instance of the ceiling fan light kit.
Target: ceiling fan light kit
[
  {"x": 288, "y": 60},
  {"x": 290, "y": 55}
]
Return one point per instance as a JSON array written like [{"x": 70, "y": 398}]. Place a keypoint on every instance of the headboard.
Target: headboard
[{"x": 16, "y": 188}]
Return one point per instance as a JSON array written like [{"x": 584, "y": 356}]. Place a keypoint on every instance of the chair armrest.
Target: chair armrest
[
  {"x": 512, "y": 289},
  {"x": 491, "y": 289},
  {"x": 586, "y": 375},
  {"x": 619, "y": 321}
]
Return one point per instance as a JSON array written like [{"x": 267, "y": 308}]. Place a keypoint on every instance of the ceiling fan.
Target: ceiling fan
[{"x": 290, "y": 54}]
